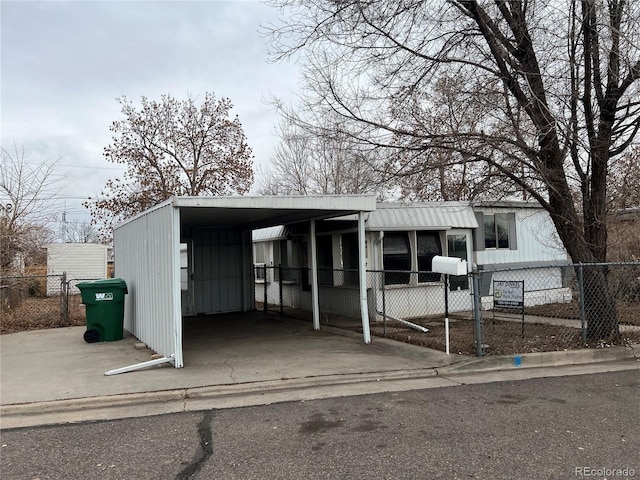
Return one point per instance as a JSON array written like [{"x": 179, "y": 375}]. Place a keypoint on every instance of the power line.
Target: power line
[{"x": 77, "y": 166}]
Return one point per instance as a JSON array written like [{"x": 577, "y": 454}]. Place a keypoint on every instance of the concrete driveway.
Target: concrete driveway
[{"x": 236, "y": 349}]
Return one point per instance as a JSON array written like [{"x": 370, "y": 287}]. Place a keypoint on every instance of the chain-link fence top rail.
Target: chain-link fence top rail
[
  {"x": 541, "y": 308},
  {"x": 34, "y": 302}
]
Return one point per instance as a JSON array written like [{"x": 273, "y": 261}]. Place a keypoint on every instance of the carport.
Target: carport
[{"x": 216, "y": 232}]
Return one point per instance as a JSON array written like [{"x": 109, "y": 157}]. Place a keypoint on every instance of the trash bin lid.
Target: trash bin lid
[{"x": 103, "y": 284}]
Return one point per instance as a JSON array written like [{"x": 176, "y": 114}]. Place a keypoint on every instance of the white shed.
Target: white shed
[
  {"x": 80, "y": 261},
  {"x": 216, "y": 232}
]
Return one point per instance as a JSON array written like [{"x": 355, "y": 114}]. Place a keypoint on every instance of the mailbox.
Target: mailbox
[{"x": 449, "y": 265}]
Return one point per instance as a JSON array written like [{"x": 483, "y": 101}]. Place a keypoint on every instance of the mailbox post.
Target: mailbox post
[{"x": 448, "y": 266}]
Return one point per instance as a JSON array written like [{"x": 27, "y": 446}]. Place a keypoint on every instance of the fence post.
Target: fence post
[
  {"x": 477, "y": 315},
  {"x": 64, "y": 299},
  {"x": 280, "y": 288},
  {"x": 384, "y": 307},
  {"x": 583, "y": 318},
  {"x": 266, "y": 276}
]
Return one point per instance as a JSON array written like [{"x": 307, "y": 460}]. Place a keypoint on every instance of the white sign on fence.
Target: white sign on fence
[{"x": 508, "y": 294}]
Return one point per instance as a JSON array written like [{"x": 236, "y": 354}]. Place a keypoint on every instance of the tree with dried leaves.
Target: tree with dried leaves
[
  {"x": 28, "y": 193},
  {"x": 553, "y": 87},
  {"x": 172, "y": 148}
]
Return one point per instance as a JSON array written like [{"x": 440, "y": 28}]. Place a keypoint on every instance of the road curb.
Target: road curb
[
  {"x": 111, "y": 407},
  {"x": 543, "y": 359}
]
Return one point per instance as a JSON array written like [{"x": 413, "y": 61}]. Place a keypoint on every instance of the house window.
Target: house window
[
  {"x": 457, "y": 247},
  {"x": 259, "y": 261},
  {"x": 258, "y": 252},
  {"x": 260, "y": 271},
  {"x": 496, "y": 230},
  {"x": 396, "y": 256},
  {"x": 350, "y": 257},
  {"x": 428, "y": 246}
]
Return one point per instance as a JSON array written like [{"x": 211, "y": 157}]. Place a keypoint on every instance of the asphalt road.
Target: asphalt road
[{"x": 585, "y": 426}]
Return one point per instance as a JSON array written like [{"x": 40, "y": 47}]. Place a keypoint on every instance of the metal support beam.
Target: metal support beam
[
  {"x": 362, "y": 273},
  {"x": 315, "y": 306},
  {"x": 140, "y": 366}
]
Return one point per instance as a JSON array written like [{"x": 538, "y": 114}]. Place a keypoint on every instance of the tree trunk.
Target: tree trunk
[
  {"x": 598, "y": 300},
  {"x": 599, "y": 303}
]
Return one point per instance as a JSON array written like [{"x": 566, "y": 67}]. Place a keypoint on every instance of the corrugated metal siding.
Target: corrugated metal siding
[
  {"x": 147, "y": 254},
  {"x": 218, "y": 270},
  {"x": 423, "y": 216}
]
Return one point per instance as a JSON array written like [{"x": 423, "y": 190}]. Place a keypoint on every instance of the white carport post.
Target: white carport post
[
  {"x": 314, "y": 276},
  {"x": 362, "y": 274}
]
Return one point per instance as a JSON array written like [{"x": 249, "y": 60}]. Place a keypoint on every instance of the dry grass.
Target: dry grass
[{"x": 38, "y": 313}]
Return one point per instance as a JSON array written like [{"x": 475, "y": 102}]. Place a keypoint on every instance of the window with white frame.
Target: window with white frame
[
  {"x": 499, "y": 230},
  {"x": 396, "y": 257},
  {"x": 427, "y": 247},
  {"x": 410, "y": 251},
  {"x": 259, "y": 260}
]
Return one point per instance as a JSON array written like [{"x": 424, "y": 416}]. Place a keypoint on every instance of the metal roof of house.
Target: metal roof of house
[
  {"x": 394, "y": 216},
  {"x": 422, "y": 216},
  {"x": 270, "y": 233}
]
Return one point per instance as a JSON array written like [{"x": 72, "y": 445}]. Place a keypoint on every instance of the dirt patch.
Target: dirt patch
[
  {"x": 501, "y": 336},
  {"x": 628, "y": 313}
]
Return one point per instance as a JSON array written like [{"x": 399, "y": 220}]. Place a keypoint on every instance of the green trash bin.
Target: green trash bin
[{"x": 104, "y": 301}]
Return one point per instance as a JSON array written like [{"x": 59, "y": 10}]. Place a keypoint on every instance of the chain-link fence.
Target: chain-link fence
[
  {"x": 521, "y": 310},
  {"x": 558, "y": 308},
  {"x": 542, "y": 308},
  {"x": 33, "y": 302}
]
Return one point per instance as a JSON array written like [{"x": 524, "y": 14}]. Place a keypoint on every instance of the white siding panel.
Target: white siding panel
[
  {"x": 147, "y": 256},
  {"x": 537, "y": 240},
  {"x": 80, "y": 261}
]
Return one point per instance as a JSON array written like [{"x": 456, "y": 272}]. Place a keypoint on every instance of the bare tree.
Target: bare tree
[
  {"x": 319, "y": 162},
  {"x": 172, "y": 147},
  {"x": 81, "y": 232},
  {"x": 554, "y": 86},
  {"x": 28, "y": 196},
  {"x": 624, "y": 181}
]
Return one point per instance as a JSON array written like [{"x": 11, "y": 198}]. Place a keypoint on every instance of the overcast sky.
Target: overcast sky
[{"x": 65, "y": 63}]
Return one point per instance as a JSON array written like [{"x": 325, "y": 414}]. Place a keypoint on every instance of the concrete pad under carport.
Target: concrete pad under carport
[{"x": 258, "y": 346}]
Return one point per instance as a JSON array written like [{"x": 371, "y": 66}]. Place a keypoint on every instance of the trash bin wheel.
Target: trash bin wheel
[{"x": 91, "y": 336}]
